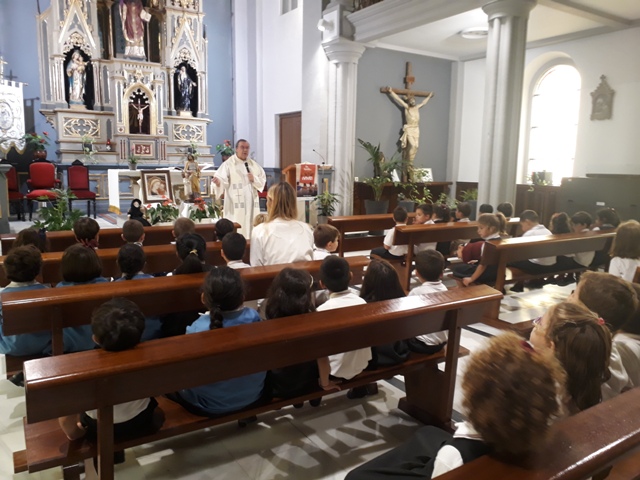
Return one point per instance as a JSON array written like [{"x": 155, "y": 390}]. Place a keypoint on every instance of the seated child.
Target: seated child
[
  {"x": 530, "y": 224},
  {"x": 388, "y": 250},
  {"x": 224, "y": 226},
  {"x": 22, "y": 266},
  {"x": 259, "y": 219},
  {"x": 582, "y": 344},
  {"x": 608, "y": 219},
  {"x": 223, "y": 295},
  {"x": 31, "y": 236},
  {"x": 560, "y": 223},
  {"x": 291, "y": 293},
  {"x": 463, "y": 211},
  {"x": 506, "y": 208},
  {"x": 133, "y": 232},
  {"x": 625, "y": 251},
  {"x": 580, "y": 222},
  {"x": 87, "y": 231},
  {"x": 116, "y": 325},
  {"x": 424, "y": 215},
  {"x": 614, "y": 300},
  {"x": 183, "y": 226},
  {"x": 335, "y": 276},
  {"x": 509, "y": 413},
  {"x": 79, "y": 266},
  {"x": 325, "y": 238},
  {"x": 131, "y": 260},
  {"x": 627, "y": 342},
  {"x": 485, "y": 208},
  {"x": 234, "y": 246},
  {"x": 472, "y": 271},
  {"x": 442, "y": 214},
  {"x": 429, "y": 270}
]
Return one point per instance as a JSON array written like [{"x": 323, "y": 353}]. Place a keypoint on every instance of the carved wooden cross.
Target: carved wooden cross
[{"x": 408, "y": 82}]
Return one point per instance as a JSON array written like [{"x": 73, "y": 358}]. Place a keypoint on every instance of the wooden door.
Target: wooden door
[{"x": 290, "y": 138}]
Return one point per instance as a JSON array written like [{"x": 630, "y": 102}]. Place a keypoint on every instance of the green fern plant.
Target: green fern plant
[{"x": 58, "y": 216}]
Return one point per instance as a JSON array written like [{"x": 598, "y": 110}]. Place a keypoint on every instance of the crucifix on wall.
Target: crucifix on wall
[
  {"x": 411, "y": 130},
  {"x": 140, "y": 108}
]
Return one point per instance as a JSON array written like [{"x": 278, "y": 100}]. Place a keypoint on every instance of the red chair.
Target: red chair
[
  {"x": 14, "y": 192},
  {"x": 78, "y": 182},
  {"x": 42, "y": 178}
]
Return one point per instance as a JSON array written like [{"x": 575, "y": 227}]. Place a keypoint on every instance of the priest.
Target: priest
[{"x": 240, "y": 179}]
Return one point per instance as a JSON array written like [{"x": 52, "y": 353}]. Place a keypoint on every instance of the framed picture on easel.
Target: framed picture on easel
[{"x": 156, "y": 186}]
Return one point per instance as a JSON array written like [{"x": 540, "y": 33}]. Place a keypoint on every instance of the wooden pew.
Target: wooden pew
[
  {"x": 54, "y": 309},
  {"x": 582, "y": 446},
  {"x": 68, "y": 384},
  {"x": 362, "y": 223},
  {"x": 110, "y": 237},
  {"x": 503, "y": 252}
]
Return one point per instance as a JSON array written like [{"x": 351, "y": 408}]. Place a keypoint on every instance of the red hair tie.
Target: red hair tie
[{"x": 600, "y": 321}]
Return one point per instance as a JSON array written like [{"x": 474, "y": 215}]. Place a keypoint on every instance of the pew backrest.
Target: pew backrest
[{"x": 362, "y": 223}]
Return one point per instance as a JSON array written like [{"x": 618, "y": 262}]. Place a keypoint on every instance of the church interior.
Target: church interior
[{"x": 532, "y": 102}]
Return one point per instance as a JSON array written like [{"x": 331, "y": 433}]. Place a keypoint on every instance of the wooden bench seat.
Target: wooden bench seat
[
  {"x": 110, "y": 237},
  {"x": 67, "y": 384},
  {"x": 582, "y": 446}
]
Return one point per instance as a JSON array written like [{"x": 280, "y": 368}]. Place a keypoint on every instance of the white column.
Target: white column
[
  {"x": 343, "y": 55},
  {"x": 503, "y": 99}
]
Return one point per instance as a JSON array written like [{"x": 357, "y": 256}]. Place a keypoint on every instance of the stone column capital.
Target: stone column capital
[
  {"x": 342, "y": 50},
  {"x": 509, "y": 8}
]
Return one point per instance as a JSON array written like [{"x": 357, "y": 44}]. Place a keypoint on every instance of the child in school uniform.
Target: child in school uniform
[
  {"x": 224, "y": 226},
  {"x": 471, "y": 271},
  {"x": 509, "y": 411},
  {"x": 485, "y": 208},
  {"x": 335, "y": 276},
  {"x": 429, "y": 270},
  {"x": 506, "y": 209},
  {"x": 606, "y": 218},
  {"x": 463, "y": 211},
  {"x": 131, "y": 260},
  {"x": 223, "y": 295},
  {"x": 625, "y": 251},
  {"x": 22, "y": 266},
  {"x": 116, "y": 325},
  {"x": 133, "y": 232},
  {"x": 580, "y": 222},
  {"x": 80, "y": 265},
  {"x": 182, "y": 226},
  {"x": 442, "y": 214},
  {"x": 325, "y": 239},
  {"x": 234, "y": 246},
  {"x": 614, "y": 300},
  {"x": 87, "y": 231},
  {"x": 388, "y": 250},
  {"x": 31, "y": 236},
  {"x": 424, "y": 216}
]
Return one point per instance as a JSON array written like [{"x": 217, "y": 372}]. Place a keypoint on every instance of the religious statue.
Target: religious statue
[
  {"x": 140, "y": 108},
  {"x": 76, "y": 71},
  {"x": 191, "y": 175},
  {"x": 132, "y": 14},
  {"x": 411, "y": 130},
  {"x": 185, "y": 87}
]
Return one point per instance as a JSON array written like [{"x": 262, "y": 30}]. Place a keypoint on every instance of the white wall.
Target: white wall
[{"x": 609, "y": 146}]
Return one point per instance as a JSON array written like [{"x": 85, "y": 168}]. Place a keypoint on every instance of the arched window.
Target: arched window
[{"x": 554, "y": 123}]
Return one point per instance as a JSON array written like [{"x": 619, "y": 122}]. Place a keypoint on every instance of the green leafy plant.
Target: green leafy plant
[
  {"x": 444, "y": 199},
  {"x": 88, "y": 149},
  {"x": 35, "y": 141},
  {"x": 204, "y": 210},
  {"x": 376, "y": 157},
  {"x": 58, "y": 216},
  {"x": 327, "y": 203},
  {"x": 165, "y": 211},
  {"x": 132, "y": 159},
  {"x": 377, "y": 183},
  {"x": 225, "y": 148},
  {"x": 469, "y": 195},
  {"x": 193, "y": 150}
]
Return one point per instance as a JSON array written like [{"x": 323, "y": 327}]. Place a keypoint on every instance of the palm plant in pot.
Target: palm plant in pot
[
  {"x": 382, "y": 175},
  {"x": 471, "y": 197},
  {"x": 326, "y": 203}
]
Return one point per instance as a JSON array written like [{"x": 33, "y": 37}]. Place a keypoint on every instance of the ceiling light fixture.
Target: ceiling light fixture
[{"x": 474, "y": 33}]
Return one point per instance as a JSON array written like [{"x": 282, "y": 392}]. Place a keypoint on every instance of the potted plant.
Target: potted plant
[
  {"x": 88, "y": 149},
  {"x": 382, "y": 174},
  {"x": 406, "y": 202},
  {"x": 38, "y": 143},
  {"x": 133, "y": 161},
  {"x": 326, "y": 203},
  {"x": 225, "y": 149},
  {"x": 164, "y": 212},
  {"x": 471, "y": 197},
  {"x": 203, "y": 210},
  {"x": 58, "y": 216}
]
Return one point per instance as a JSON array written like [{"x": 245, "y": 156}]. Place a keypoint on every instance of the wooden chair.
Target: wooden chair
[
  {"x": 15, "y": 196},
  {"x": 78, "y": 182},
  {"x": 42, "y": 179}
]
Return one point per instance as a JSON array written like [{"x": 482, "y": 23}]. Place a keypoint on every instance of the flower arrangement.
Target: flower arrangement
[
  {"x": 37, "y": 142},
  {"x": 88, "y": 149},
  {"x": 204, "y": 210},
  {"x": 165, "y": 211},
  {"x": 225, "y": 148},
  {"x": 193, "y": 150}
]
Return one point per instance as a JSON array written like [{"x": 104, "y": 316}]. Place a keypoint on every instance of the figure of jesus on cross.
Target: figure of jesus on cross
[
  {"x": 410, "y": 138},
  {"x": 140, "y": 108}
]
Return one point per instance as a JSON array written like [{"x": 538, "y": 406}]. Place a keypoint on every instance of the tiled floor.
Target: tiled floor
[{"x": 309, "y": 443}]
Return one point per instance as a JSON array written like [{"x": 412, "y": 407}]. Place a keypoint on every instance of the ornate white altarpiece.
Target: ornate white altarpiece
[
  {"x": 11, "y": 113},
  {"x": 127, "y": 72}
]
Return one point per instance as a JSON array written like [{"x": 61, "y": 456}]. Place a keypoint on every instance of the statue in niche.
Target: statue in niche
[
  {"x": 139, "y": 119},
  {"x": 132, "y": 14},
  {"x": 185, "y": 89},
  {"x": 76, "y": 71}
]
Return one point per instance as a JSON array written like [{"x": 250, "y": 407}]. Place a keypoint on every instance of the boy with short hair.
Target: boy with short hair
[
  {"x": 580, "y": 222},
  {"x": 183, "y": 225},
  {"x": 615, "y": 301},
  {"x": 335, "y": 276},
  {"x": 87, "y": 232},
  {"x": 133, "y": 232},
  {"x": 506, "y": 208},
  {"x": 389, "y": 251},
  {"x": 117, "y": 325},
  {"x": 233, "y": 249},
  {"x": 224, "y": 226},
  {"x": 429, "y": 270},
  {"x": 485, "y": 208},
  {"x": 463, "y": 211},
  {"x": 325, "y": 238},
  {"x": 22, "y": 266},
  {"x": 531, "y": 227}
]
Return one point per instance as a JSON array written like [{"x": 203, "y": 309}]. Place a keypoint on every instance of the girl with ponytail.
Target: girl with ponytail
[
  {"x": 191, "y": 249},
  {"x": 223, "y": 294}
]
